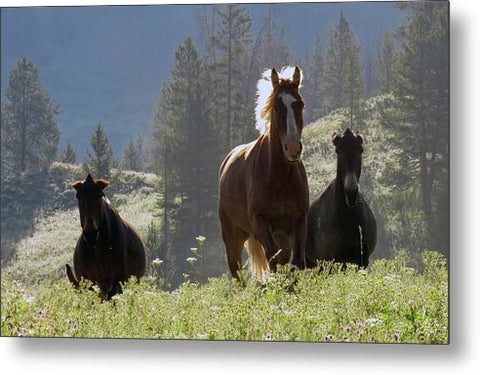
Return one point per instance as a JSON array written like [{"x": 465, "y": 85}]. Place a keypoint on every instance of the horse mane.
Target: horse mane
[
  {"x": 266, "y": 94},
  {"x": 110, "y": 209}
]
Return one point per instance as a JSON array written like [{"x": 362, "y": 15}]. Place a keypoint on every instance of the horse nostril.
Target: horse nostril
[
  {"x": 293, "y": 149},
  {"x": 351, "y": 198}
]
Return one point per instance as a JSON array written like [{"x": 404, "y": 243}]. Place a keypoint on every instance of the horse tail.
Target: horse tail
[
  {"x": 71, "y": 276},
  {"x": 257, "y": 260}
]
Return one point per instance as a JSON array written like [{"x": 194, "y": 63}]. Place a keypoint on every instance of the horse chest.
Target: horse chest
[
  {"x": 339, "y": 232},
  {"x": 283, "y": 197},
  {"x": 277, "y": 207},
  {"x": 97, "y": 263}
]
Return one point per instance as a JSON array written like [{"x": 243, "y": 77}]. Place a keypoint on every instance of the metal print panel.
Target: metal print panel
[{"x": 258, "y": 172}]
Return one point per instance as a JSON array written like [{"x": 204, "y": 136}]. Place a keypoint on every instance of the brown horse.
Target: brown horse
[
  {"x": 341, "y": 225},
  {"x": 109, "y": 249},
  {"x": 263, "y": 184}
]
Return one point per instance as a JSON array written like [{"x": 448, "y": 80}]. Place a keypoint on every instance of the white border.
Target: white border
[{"x": 60, "y": 356}]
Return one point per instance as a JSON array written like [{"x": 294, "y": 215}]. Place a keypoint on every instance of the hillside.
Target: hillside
[
  {"x": 49, "y": 243},
  {"x": 397, "y": 212},
  {"x": 41, "y": 255},
  {"x": 400, "y": 299},
  {"x": 320, "y": 158}
]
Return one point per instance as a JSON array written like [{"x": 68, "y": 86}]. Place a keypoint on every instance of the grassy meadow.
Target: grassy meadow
[
  {"x": 389, "y": 303},
  {"x": 401, "y": 298}
]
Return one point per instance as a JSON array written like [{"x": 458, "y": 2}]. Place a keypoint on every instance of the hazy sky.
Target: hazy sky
[{"x": 107, "y": 64}]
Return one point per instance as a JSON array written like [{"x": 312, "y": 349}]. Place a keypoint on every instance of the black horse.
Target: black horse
[
  {"x": 109, "y": 249},
  {"x": 340, "y": 224}
]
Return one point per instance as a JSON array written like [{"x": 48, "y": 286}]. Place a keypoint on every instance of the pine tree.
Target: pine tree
[
  {"x": 29, "y": 126},
  {"x": 160, "y": 150},
  {"x": 342, "y": 83},
  {"x": 188, "y": 154},
  {"x": 232, "y": 40},
  {"x": 273, "y": 49},
  {"x": 131, "y": 157},
  {"x": 313, "y": 84},
  {"x": 140, "y": 146},
  {"x": 270, "y": 49},
  {"x": 354, "y": 92},
  {"x": 100, "y": 161},
  {"x": 69, "y": 155},
  {"x": 418, "y": 123},
  {"x": 371, "y": 84},
  {"x": 207, "y": 22},
  {"x": 384, "y": 65}
]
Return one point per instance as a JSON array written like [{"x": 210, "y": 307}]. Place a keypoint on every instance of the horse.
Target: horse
[
  {"x": 340, "y": 224},
  {"x": 109, "y": 250},
  {"x": 263, "y": 189}
]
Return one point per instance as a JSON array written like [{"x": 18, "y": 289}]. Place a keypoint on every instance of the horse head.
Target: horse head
[
  {"x": 286, "y": 116},
  {"x": 348, "y": 147},
  {"x": 90, "y": 195}
]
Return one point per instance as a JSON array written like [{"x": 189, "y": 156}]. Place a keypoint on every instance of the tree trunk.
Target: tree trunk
[
  {"x": 229, "y": 78},
  {"x": 165, "y": 199},
  {"x": 426, "y": 180}
]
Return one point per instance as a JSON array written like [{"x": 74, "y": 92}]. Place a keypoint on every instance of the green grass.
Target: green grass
[{"x": 388, "y": 303}]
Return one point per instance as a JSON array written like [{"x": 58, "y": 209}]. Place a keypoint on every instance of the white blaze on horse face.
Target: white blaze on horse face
[{"x": 292, "y": 132}]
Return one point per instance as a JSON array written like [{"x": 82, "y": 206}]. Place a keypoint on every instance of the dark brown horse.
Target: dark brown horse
[
  {"x": 109, "y": 249},
  {"x": 341, "y": 225},
  {"x": 263, "y": 184}
]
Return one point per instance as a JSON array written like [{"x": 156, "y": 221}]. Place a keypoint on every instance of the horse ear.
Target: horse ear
[
  {"x": 103, "y": 183},
  {"x": 274, "y": 78},
  {"x": 297, "y": 76},
  {"x": 359, "y": 136},
  {"x": 335, "y": 138},
  {"x": 77, "y": 185}
]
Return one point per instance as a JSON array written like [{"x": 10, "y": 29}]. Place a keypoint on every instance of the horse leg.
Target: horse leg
[
  {"x": 262, "y": 232},
  {"x": 116, "y": 289},
  {"x": 284, "y": 242},
  {"x": 310, "y": 245},
  {"x": 234, "y": 239},
  {"x": 234, "y": 244},
  {"x": 71, "y": 277},
  {"x": 298, "y": 254},
  {"x": 365, "y": 250}
]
